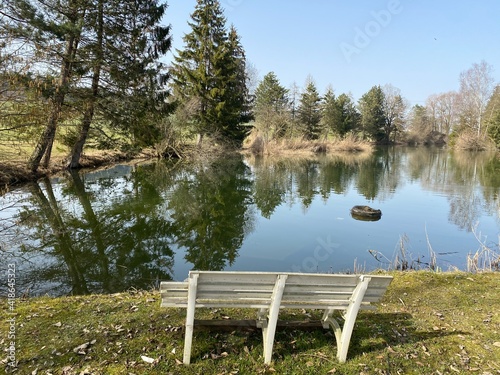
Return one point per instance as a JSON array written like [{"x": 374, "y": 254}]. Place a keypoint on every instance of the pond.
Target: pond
[{"x": 131, "y": 226}]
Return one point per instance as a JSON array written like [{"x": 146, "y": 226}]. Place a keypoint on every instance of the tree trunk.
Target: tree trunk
[
  {"x": 41, "y": 147},
  {"x": 44, "y": 145},
  {"x": 76, "y": 151},
  {"x": 48, "y": 151}
]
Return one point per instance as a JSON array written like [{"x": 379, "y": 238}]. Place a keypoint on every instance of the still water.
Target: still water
[{"x": 133, "y": 225}]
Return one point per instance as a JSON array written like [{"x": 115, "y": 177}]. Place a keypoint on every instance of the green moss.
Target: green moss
[{"x": 427, "y": 322}]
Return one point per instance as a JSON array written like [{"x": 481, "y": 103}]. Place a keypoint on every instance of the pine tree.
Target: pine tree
[
  {"x": 309, "y": 111},
  {"x": 69, "y": 42},
  {"x": 373, "y": 120},
  {"x": 209, "y": 74},
  {"x": 50, "y": 32},
  {"x": 339, "y": 114},
  {"x": 329, "y": 112},
  {"x": 134, "y": 83},
  {"x": 271, "y": 108},
  {"x": 236, "y": 110},
  {"x": 492, "y": 116},
  {"x": 349, "y": 117}
]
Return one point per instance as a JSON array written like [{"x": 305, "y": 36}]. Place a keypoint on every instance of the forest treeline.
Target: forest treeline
[{"x": 89, "y": 74}]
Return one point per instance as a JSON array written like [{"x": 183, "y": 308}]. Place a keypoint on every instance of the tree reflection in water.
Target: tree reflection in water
[{"x": 109, "y": 231}]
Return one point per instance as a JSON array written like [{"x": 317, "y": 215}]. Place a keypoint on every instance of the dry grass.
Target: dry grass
[
  {"x": 471, "y": 141},
  {"x": 351, "y": 143},
  {"x": 257, "y": 145},
  {"x": 485, "y": 258}
]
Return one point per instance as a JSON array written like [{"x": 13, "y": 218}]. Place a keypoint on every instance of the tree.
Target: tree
[
  {"x": 209, "y": 74},
  {"x": 271, "y": 108},
  {"x": 236, "y": 95},
  {"x": 476, "y": 87},
  {"x": 349, "y": 116},
  {"x": 309, "y": 111},
  {"x": 492, "y": 116},
  {"x": 419, "y": 125},
  {"x": 339, "y": 115},
  {"x": 50, "y": 31},
  {"x": 373, "y": 120},
  {"x": 103, "y": 55},
  {"x": 394, "y": 112},
  {"x": 329, "y": 113},
  {"x": 124, "y": 50},
  {"x": 444, "y": 111}
]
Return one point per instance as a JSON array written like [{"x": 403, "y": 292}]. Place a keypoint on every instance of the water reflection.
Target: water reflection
[
  {"x": 86, "y": 241},
  {"x": 127, "y": 227},
  {"x": 209, "y": 211}
]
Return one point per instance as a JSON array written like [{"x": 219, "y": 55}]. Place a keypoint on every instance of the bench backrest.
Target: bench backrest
[{"x": 254, "y": 290}]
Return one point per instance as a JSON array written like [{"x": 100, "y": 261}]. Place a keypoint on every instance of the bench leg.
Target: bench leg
[
  {"x": 350, "y": 318},
  {"x": 329, "y": 321},
  {"x": 188, "y": 336},
  {"x": 269, "y": 329}
]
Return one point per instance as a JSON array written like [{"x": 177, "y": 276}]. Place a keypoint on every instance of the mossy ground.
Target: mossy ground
[{"x": 427, "y": 323}]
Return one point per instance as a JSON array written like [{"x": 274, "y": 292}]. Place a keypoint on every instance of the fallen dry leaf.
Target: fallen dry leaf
[
  {"x": 81, "y": 348},
  {"x": 147, "y": 359}
]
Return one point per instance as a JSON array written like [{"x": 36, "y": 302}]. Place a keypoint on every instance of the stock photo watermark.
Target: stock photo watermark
[
  {"x": 322, "y": 252},
  {"x": 11, "y": 316},
  {"x": 363, "y": 36}
]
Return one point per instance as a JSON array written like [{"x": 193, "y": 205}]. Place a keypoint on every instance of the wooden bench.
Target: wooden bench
[{"x": 270, "y": 291}]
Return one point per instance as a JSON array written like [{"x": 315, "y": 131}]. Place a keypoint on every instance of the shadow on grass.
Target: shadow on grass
[
  {"x": 373, "y": 333},
  {"x": 376, "y": 332}
]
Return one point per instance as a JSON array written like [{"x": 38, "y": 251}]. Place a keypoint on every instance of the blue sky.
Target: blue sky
[{"x": 419, "y": 46}]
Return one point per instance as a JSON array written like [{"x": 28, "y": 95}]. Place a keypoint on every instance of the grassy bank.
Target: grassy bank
[
  {"x": 428, "y": 323},
  {"x": 13, "y": 172}
]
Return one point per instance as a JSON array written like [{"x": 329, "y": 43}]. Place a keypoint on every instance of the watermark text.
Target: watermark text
[
  {"x": 11, "y": 319},
  {"x": 363, "y": 36}
]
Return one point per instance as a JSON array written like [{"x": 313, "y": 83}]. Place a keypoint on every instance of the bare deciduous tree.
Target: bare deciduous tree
[
  {"x": 395, "y": 110},
  {"x": 476, "y": 87},
  {"x": 443, "y": 111}
]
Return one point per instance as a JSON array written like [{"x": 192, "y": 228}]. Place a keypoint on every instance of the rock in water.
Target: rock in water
[{"x": 365, "y": 213}]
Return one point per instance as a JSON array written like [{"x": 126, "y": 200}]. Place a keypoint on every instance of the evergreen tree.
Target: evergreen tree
[
  {"x": 309, "y": 111},
  {"x": 270, "y": 95},
  {"x": 493, "y": 116},
  {"x": 133, "y": 88},
  {"x": 329, "y": 112},
  {"x": 237, "y": 111},
  {"x": 349, "y": 117},
  {"x": 50, "y": 32},
  {"x": 209, "y": 74},
  {"x": 69, "y": 43},
  {"x": 271, "y": 107},
  {"x": 373, "y": 120},
  {"x": 339, "y": 115}
]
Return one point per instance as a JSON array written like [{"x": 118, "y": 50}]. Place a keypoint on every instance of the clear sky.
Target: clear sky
[{"x": 418, "y": 46}]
